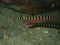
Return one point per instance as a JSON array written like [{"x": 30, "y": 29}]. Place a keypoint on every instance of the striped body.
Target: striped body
[
  {"x": 36, "y": 18},
  {"x": 49, "y": 25}
]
